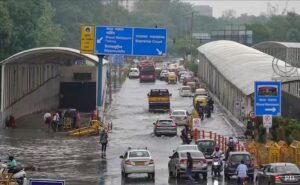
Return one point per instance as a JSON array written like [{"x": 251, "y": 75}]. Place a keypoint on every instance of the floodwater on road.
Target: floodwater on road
[{"x": 79, "y": 161}]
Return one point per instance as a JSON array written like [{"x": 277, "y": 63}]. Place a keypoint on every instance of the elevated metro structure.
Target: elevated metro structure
[
  {"x": 230, "y": 70},
  {"x": 48, "y": 78}
]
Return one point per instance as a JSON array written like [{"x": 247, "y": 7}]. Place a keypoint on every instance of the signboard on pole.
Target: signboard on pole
[
  {"x": 267, "y": 121},
  {"x": 87, "y": 36},
  {"x": 46, "y": 182},
  {"x": 267, "y": 98},
  {"x": 196, "y": 124},
  {"x": 112, "y": 40}
]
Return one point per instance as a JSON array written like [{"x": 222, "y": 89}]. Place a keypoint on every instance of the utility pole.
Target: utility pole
[{"x": 192, "y": 25}]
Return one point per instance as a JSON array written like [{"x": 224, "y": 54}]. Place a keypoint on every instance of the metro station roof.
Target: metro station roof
[
  {"x": 239, "y": 64},
  {"x": 275, "y": 44},
  {"x": 59, "y": 55}
]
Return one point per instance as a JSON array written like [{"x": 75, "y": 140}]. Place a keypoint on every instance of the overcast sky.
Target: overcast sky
[{"x": 254, "y": 7}]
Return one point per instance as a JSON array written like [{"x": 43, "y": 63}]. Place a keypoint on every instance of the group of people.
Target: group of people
[
  {"x": 241, "y": 169},
  {"x": 10, "y": 122},
  {"x": 56, "y": 120}
]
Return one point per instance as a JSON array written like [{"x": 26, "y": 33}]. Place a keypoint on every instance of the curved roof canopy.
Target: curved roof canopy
[
  {"x": 56, "y": 55},
  {"x": 275, "y": 44},
  {"x": 239, "y": 64}
]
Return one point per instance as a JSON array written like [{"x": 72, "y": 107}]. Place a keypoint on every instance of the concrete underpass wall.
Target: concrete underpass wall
[{"x": 46, "y": 97}]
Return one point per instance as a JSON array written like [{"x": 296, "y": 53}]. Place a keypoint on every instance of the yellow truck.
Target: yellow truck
[{"x": 159, "y": 100}]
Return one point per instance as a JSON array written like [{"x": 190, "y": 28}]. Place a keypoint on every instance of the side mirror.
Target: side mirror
[
  {"x": 153, "y": 123},
  {"x": 148, "y": 95},
  {"x": 170, "y": 157},
  {"x": 170, "y": 94},
  {"x": 121, "y": 157}
]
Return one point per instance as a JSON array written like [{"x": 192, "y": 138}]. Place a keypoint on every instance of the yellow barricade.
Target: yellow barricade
[
  {"x": 284, "y": 152},
  {"x": 295, "y": 151},
  {"x": 273, "y": 152}
]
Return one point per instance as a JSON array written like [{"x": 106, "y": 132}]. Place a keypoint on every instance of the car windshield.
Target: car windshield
[
  {"x": 186, "y": 88},
  {"x": 240, "y": 157},
  {"x": 165, "y": 122},
  {"x": 159, "y": 93},
  {"x": 206, "y": 143},
  {"x": 133, "y": 70},
  {"x": 178, "y": 113},
  {"x": 286, "y": 169},
  {"x": 139, "y": 154},
  {"x": 193, "y": 154},
  {"x": 187, "y": 147}
]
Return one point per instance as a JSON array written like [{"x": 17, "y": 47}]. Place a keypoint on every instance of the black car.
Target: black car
[
  {"x": 279, "y": 173},
  {"x": 206, "y": 146},
  {"x": 234, "y": 159}
]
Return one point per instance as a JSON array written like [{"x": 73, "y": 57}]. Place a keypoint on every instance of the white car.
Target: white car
[
  {"x": 134, "y": 73},
  {"x": 137, "y": 160},
  {"x": 180, "y": 117},
  {"x": 163, "y": 74},
  {"x": 185, "y": 91}
]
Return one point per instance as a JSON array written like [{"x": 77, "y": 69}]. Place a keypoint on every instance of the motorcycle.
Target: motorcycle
[
  {"x": 19, "y": 174},
  {"x": 217, "y": 166}
]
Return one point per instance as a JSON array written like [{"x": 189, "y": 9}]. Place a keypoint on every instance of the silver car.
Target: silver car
[
  {"x": 137, "y": 160},
  {"x": 180, "y": 117},
  {"x": 165, "y": 127},
  {"x": 178, "y": 163}
]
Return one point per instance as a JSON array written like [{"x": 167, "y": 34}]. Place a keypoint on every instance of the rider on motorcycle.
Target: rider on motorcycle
[
  {"x": 217, "y": 154},
  {"x": 11, "y": 164},
  {"x": 231, "y": 147}
]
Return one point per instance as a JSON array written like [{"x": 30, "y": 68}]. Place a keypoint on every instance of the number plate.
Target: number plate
[
  {"x": 140, "y": 163},
  {"x": 289, "y": 178}
]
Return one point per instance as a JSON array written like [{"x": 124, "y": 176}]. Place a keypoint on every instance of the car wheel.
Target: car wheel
[{"x": 204, "y": 176}]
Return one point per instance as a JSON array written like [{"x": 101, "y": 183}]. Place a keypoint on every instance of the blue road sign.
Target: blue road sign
[
  {"x": 113, "y": 40},
  {"x": 46, "y": 182},
  {"x": 149, "y": 41},
  {"x": 130, "y": 41},
  {"x": 267, "y": 98}
]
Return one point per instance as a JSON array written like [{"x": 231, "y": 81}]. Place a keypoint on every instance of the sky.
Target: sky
[{"x": 254, "y": 7}]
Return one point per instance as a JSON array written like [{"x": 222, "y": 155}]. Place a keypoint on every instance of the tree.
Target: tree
[{"x": 6, "y": 31}]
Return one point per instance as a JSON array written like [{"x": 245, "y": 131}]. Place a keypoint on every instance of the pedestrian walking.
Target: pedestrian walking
[
  {"x": 55, "y": 121},
  {"x": 77, "y": 125},
  {"x": 47, "y": 120},
  {"x": 189, "y": 167},
  {"x": 104, "y": 140}
]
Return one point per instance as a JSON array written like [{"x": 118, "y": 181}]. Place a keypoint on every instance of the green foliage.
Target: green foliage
[{"x": 33, "y": 23}]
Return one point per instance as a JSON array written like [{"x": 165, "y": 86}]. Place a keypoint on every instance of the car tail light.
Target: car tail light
[
  {"x": 183, "y": 161},
  {"x": 277, "y": 179},
  {"x": 174, "y": 125},
  {"x": 157, "y": 125},
  {"x": 128, "y": 162},
  {"x": 151, "y": 161},
  {"x": 204, "y": 160}
]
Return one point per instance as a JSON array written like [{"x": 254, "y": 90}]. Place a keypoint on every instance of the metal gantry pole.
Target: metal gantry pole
[{"x": 99, "y": 87}]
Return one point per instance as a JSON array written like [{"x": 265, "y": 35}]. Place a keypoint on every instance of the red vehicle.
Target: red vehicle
[{"x": 147, "y": 71}]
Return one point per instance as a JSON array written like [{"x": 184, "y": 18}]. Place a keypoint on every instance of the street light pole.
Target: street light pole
[{"x": 192, "y": 25}]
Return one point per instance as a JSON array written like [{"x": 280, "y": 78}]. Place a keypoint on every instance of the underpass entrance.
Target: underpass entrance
[{"x": 78, "y": 95}]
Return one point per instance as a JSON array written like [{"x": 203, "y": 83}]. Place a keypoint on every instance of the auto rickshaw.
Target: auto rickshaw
[
  {"x": 172, "y": 78},
  {"x": 201, "y": 99},
  {"x": 192, "y": 85}
]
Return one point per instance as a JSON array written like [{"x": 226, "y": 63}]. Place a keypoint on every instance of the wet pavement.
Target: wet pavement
[{"x": 79, "y": 161}]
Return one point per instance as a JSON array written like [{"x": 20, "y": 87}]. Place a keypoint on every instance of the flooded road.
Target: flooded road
[{"x": 79, "y": 161}]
